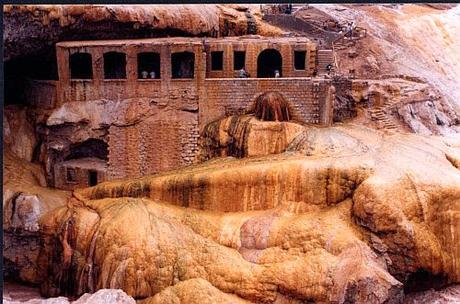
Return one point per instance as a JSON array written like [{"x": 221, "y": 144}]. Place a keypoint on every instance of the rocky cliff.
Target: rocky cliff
[{"x": 296, "y": 224}]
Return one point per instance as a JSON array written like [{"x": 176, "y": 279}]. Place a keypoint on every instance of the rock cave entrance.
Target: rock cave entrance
[
  {"x": 183, "y": 65},
  {"x": 18, "y": 73},
  {"x": 148, "y": 65},
  {"x": 268, "y": 62},
  {"x": 114, "y": 65},
  {"x": 81, "y": 66},
  {"x": 91, "y": 148},
  {"x": 422, "y": 280}
]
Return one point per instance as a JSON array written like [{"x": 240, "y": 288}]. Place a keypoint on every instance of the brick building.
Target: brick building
[{"x": 191, "y": 82}]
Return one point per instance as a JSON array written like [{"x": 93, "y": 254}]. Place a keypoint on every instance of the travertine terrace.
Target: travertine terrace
[{"x": 231, "y": 154}]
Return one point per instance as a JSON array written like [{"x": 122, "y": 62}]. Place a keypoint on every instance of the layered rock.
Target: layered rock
[
  {"x": 18, "y": 132},
  {"x": 245, "y": 136},
  {"x": 31, "y": 29},
  {"x": 302, "y": 218},
  {"x": 25, "y": 200}
]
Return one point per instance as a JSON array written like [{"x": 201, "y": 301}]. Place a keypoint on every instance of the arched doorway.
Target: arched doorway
[{"x": 268, "y": 62}]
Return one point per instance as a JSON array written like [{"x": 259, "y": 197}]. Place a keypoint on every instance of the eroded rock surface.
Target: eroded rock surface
[
  {"x": 449, "y": 295},
  {"x": 295, "y": 224}
]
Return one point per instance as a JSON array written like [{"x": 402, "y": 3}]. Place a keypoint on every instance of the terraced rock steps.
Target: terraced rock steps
[{"x": 381, "y": 116}]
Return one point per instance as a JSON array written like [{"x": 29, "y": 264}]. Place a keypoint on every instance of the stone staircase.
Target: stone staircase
[
  {"x": 323, "y": 58},
  {"x": 379, "y": 115}
]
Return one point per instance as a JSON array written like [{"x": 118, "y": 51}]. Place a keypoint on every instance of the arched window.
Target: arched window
[
  {"x": 182, "y": 65},
  {"x": 114, "y": 65},
  {"x": 148, "y": 65},
  {"x": 268, "y": 62},
  {"x": 81, "y": 66}
]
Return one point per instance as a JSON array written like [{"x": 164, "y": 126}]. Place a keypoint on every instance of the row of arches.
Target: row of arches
[
  {"x": 269, "y": 64},
  {"x": 148, "y": 65}
]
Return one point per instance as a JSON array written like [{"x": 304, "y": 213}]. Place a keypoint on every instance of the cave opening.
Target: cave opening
[
  {"x": 183, "y": 65},
  {"x": 81, "y": 66},
  {"x": 422, "y": 280},
  {"x": 90, "y": 148},
  {"x": 114, "y": 65},
  {"x": 148, "y": 65},
  {"x": 19, "y": 72},
  {"x": 268, "y": 62}
]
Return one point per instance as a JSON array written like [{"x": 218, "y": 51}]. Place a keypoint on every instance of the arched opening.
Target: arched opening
[
  {"x": 183, "y": 65},
  {"x": 89, "y": 148},
  {"x": 268, "y": 62},
  {"x": 85, "y": 165},
  {"x": 114, "y": 65},
  {"x": 148, "y": 65},
  {"x": 81, "y": 66}
]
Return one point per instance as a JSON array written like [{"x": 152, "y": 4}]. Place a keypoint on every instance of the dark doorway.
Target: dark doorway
[
  {"x": 239, "y": 58},
  {"x": 92, "y": 178},
  {"x": 81, "y": 66},
  {"x": 299, "y": 60},
  {"x": 148, "y": 65},
  {"x": 217, "y": 61},
  {"x": 114, "y": 65},
  {"x": 183, "y": 65},
  {"x": 268, "y": 62}
]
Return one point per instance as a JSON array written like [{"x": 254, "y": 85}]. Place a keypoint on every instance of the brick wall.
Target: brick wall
[
  {"x": 234, "y": 96},
  {"x": 81, "y": 170},
  {"x": 162, "y": 142},
  {"x": 169, "y": 138}
]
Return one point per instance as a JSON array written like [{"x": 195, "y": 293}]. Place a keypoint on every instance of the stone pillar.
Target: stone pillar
[
  {"x": 62, "y": 56},
  {"x": 165, "y": 72},
  {"x": 131, "y": 71},
  {"x": 251, "y": 59},
  {"x": 287, "y": 67},
  {"x": 311, "y": 54},
  {"x": 228, "y": 61}
]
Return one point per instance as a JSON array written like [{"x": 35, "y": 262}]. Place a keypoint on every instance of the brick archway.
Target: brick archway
[{"x": 269, "y": 61}]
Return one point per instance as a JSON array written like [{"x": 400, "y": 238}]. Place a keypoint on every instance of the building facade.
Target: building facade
[{"x": 190, "y": 82}]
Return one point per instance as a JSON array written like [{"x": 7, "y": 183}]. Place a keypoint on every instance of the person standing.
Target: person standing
[{"x": 243, "y": 73}]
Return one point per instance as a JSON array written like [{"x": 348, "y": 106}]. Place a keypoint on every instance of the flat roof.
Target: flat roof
[{"x": 183, "y": 41}]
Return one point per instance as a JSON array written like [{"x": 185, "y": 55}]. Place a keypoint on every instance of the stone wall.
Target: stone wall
[
  {"x": 81, "y": 168},
  {"x": 165, "y": 134},
  {"x": 166, "y": 141},
  {"x": 225, "y": 97}
]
